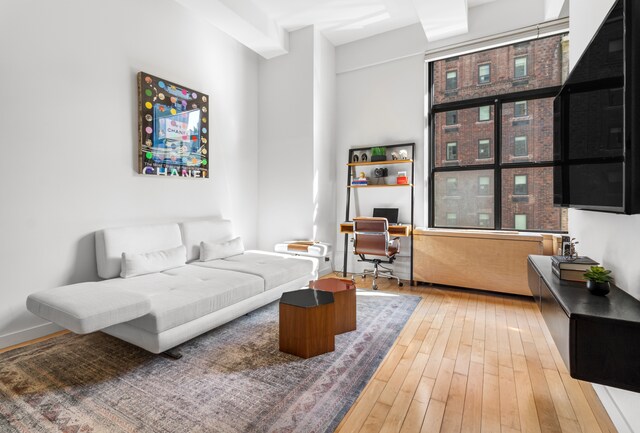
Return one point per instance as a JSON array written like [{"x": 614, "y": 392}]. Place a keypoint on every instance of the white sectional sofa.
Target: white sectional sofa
[{"x": 177, "y": 296}]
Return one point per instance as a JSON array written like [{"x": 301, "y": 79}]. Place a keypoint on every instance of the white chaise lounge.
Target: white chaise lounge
[{"x": 159, "y": 294}]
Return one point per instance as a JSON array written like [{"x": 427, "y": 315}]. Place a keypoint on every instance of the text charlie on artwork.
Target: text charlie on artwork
[{"x": 173, "y": 132}]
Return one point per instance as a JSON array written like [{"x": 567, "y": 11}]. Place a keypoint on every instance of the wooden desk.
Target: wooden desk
[
  {"x": 404, "y": 230},
  {"x": 394, "y": 230}
]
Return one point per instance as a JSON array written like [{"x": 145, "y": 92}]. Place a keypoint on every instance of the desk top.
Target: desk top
[{"x": 394, "y": 229}]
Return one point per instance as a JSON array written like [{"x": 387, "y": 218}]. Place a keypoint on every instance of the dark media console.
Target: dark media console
[{"x": 598, "y": 337}]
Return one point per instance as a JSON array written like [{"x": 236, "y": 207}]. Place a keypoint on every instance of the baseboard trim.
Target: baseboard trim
[
  {"x": 28, "y": 334},
  {"x": 612, "y": 408}
]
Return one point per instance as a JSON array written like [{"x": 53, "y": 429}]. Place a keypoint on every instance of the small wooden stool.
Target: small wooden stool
[
  {"x": 344, "y": 295},
  {"x": 307, "y": 323}
]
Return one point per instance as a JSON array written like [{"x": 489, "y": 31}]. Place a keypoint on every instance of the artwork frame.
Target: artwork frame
[{"x": 173, "y": 129}]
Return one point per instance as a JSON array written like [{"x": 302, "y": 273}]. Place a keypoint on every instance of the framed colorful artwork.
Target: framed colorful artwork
[{"x": 173, "y": 137}]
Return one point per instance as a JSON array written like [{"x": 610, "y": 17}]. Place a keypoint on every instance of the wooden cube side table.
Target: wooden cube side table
[
  {"x": 344, "y": 294},
  {"x": 307, "y": 323}
]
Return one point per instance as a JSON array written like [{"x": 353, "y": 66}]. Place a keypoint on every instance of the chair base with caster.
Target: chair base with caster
[{"x": 379, "y": 271}]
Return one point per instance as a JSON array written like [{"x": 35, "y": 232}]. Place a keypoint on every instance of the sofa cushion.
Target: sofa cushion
[
  {"x": 275, "y": 269},
  {"x": 222, "y": 250},
  {"x": 214, "y": 230},
  {"x": 88, "y": 307},
  {"x": 134, "y": 264},
  {"x": 112, "y": 242},
  {"x": 215, "y": 290}
]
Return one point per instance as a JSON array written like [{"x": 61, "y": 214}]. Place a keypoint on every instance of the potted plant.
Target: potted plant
[
  {"x": 598, "y": 279},
  {"x": 378, "y": 154}
]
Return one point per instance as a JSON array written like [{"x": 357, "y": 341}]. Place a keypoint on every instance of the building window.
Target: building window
[
  {"x": 520, "y": 186},
  {"x": 520, "y": 109},
  {"x": 520, "y": 67},
  {"x": 484, "y": 113},
  {"x": 484, "y": 74},
  {"x": 452, "y": 118},
  {"x": 452, "y": 186},
  {"x": 520, "y": 222},
  {"x": 452, "y": 151},
  {"x": 520, "y": 147},
  {"x": 484, "y": 148},
  {"x": 501, "y": 148},
  {"x": 452, "y": 80},
  {"x": 483, "y": 185}
]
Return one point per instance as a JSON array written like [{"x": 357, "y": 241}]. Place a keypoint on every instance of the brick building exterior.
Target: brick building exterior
[{"x": 466, "y": 137}]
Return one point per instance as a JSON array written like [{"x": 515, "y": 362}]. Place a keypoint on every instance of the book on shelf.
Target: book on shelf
[
  {"x": 569, "y": 274},
  {"x": 577, "y": 264}
]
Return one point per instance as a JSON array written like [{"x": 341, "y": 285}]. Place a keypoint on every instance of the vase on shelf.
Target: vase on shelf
[{"x": 598, "y": 288}]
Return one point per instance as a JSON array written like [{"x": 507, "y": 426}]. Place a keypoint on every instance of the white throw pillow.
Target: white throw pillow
[
  {"x": 156, "y": 261},
  {"x": 213, "y": 251}
]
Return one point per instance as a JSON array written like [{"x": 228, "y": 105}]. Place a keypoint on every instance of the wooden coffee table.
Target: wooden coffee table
[
  {"x": 307, "y": 323},
  {"x": 344, "y": 294}
]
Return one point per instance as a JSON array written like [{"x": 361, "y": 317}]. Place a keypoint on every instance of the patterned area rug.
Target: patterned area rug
[{"x": 232, "y": 379}]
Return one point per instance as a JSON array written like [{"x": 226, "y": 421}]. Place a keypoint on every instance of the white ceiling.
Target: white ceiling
[{"x": 263, "y": 25}]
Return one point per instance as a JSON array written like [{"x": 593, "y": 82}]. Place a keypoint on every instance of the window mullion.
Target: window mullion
[{"x": 497, "y": 173}]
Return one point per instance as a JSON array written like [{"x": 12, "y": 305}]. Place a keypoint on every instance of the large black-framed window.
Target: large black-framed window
[{"x": 500, "y": 154}]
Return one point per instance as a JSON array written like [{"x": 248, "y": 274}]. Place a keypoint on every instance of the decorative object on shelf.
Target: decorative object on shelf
[
  {"x": 380, "y": 172},
  {"x": 378, "y": 154},
  {"x": 355, "y": 158},
  {"x": 403, "y": 154},
  {"x": 172, "y": 124},
  {"x": 361, "y": 180},
  {"x": 598, "y": 279},
  {"x": 572, "y": 248},
  {"x": 394, "y": 156},
  {"x": 571, "y": 269},
  {"x": 402, "y": 178},
  {"x": 363, "y": 157}
]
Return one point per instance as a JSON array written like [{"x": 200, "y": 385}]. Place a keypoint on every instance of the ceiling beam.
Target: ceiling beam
[
  {"x": 553, "y": 9},
  {"x": 244, "y": 21},
  {"x": 441, "y": 20}
]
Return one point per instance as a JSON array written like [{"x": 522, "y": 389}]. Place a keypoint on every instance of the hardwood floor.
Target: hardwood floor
[{"x": 471, "y": 361}]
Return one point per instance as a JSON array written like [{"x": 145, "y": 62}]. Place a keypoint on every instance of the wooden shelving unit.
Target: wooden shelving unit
[
  {"x": 351, "y": 174},
  {"x": 391, "y": 161},
  {"x": 380, "y": 186}
]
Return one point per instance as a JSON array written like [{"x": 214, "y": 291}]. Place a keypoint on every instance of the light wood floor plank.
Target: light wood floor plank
[
  {"x": 415, "y": 415},
  {"x": 433, "y": 418},
  {"x": 376, "y": 418},
  {"x": 452, "y": 419},
  {"x": 509, "y": 416},
  {"x": 472, "y": 415},
  {"x": 490, "y": 404}
]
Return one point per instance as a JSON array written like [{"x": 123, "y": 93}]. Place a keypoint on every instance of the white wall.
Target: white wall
[
  {"x": 378, "y": 105},
  {"x": 69, "y": 116},
  {"x": 286, "y": 89},
  {"x": 610, "y": 239},
  {"x": 297, "y": 142}
]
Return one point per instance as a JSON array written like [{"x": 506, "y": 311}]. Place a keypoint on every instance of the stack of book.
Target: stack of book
[
  {"x": 572, "y": 269},
  {"x": 359, "y": 181}
]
